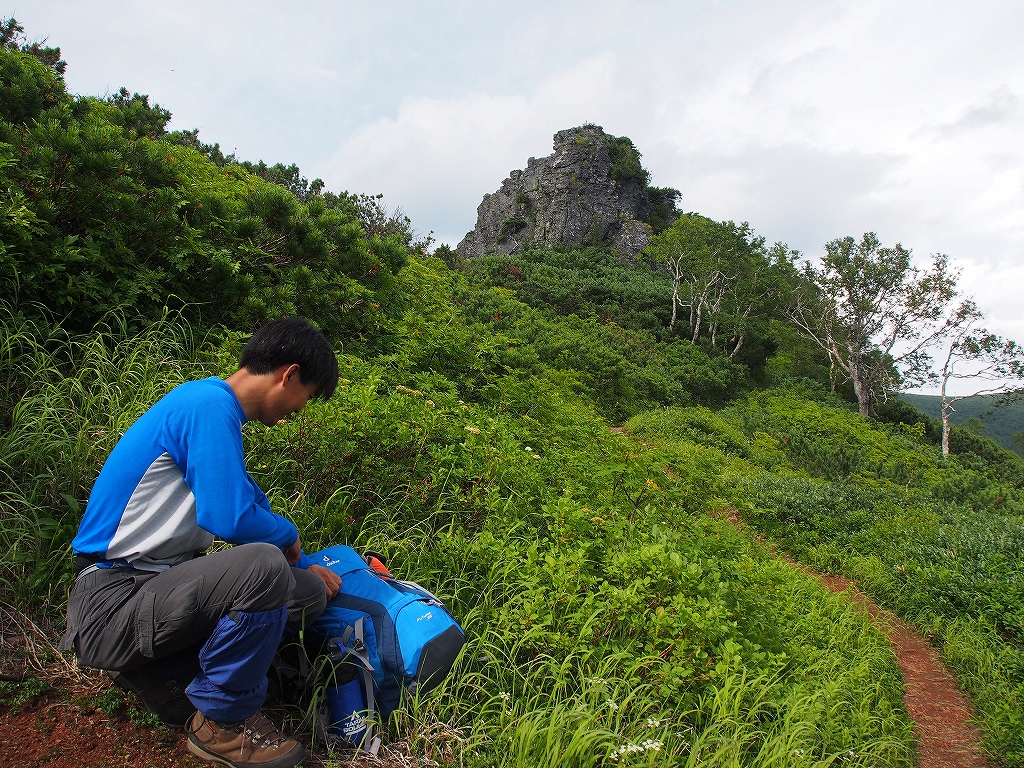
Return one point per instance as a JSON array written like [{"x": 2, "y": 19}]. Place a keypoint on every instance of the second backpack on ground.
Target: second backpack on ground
[{"x": 401, "y": 634}]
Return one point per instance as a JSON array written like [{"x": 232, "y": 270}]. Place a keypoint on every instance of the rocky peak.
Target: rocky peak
[{"x": 590, "y": 191}]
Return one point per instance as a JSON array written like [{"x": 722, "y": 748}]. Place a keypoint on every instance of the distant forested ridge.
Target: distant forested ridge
[{"x": 994, "y": 416}]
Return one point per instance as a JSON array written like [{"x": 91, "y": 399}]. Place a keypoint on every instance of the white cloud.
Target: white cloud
[{"x": 436, "y": 158}]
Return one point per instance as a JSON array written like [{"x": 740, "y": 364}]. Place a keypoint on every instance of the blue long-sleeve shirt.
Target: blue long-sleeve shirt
[{"x": 177, "y": 479}]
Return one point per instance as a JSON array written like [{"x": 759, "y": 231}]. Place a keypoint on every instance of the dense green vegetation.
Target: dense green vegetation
[
  {"x": 614, "y": 614},
  {"x": 626, "y": 167},
  {"x": 609, "y": 613},
  {"x": 106, "y": 211}
]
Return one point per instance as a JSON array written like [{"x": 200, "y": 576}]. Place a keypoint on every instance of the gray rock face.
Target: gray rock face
[{"x": 568, "y": 198}]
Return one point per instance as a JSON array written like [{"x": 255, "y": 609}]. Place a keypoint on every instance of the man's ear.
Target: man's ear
[{"x": 288, "y": 373}]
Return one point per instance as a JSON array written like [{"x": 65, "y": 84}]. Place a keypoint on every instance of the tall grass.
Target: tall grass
[
  {"x": 593, "y": 708},
  {"x": 829, "y": 694},
  {"x": 71, "y": 399}
]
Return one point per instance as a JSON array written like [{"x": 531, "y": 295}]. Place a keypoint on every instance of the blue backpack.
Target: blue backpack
[{"x": 402, "y": 636}]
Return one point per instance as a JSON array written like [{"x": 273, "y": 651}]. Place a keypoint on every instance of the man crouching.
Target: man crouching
[{"x": 194, "y": 634}]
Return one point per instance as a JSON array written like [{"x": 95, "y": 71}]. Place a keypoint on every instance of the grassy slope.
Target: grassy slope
[
  {"x": 610, "y": 614},
  {"x": 937, "y": 540},
  {"x": 611, "y": 617}
]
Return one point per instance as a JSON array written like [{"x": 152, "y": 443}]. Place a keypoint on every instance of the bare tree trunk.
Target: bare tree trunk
[
  {"x": 675, "y": 302},
  {"x": 677, "y": 277},
  {"x": 739, "y": 343},
  {"x": 742, "y": 334},
  {"x": 860, "y": 388},
  {"x": 946, "y": 407},
  {"x": 945, "y": 428},
  {"x": 713, "y": 322}
]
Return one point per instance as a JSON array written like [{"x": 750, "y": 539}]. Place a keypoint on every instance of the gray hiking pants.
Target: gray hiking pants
[{"x": 121, "y": 618}]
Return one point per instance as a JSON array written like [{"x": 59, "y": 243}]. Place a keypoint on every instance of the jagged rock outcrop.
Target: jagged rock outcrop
[{"x": 574, "y": 197}]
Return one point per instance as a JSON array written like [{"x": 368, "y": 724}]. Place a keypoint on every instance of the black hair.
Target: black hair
[{"x": 293, "y": 340}]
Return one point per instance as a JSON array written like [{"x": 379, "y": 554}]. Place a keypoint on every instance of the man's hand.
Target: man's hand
[
  {"x": 294, "y": 552},
  {"x": 332, "y": 581}
]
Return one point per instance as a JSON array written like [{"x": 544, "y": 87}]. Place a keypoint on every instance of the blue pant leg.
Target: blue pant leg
[{"x": 232, "y": 683}]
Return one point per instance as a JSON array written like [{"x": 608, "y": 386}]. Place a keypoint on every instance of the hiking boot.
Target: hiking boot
[
  {"x": 254, "y": 743},
  {"x": 163, "y": 697}
]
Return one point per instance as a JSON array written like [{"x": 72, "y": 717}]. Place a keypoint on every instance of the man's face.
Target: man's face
[{"x": 288, "y": 397}]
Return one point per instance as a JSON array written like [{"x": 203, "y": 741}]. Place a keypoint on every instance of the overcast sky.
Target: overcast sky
[{"x": 810, "y": 119}]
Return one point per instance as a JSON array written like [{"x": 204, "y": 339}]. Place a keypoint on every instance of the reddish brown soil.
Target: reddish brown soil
[
  {"x": 54, "y": 733},
  {"x": 64, "y": 729}
]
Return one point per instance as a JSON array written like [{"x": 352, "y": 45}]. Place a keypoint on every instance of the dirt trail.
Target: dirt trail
[
  {"x": 942, "y": 714},
  {"x": 940, "y": 711}
]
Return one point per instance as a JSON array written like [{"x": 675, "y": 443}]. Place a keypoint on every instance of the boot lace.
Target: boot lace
[{"x": 261, "y": 731}]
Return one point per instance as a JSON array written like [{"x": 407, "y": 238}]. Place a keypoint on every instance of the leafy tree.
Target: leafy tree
[
  {"x": 664, "y": 207},
  {"x": 190, "y": 138},
  {"x": 29, "y": 85},
  {"x": 287, "y": 176},
  {"x": 974, "y": 353},
  {"x": 134, "y": 114},
  {"x": 723, "y": 278},
  {"x": 875, "y": 314}
]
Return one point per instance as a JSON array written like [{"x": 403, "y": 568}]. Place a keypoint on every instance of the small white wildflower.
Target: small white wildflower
[
  {"x": 529, "y": 449},
  {"x": 653, "y": 745},
  {"x": 612, "y": 705},
  {"x": 652, "y": 723},
  {"x": 505, "y": 695}
]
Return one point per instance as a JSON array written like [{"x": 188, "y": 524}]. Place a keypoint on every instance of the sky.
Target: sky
[{"x": 809, "y": 119}]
